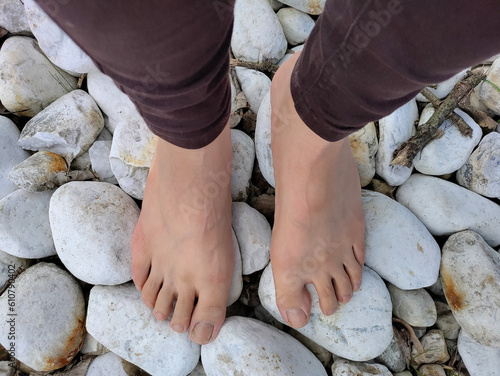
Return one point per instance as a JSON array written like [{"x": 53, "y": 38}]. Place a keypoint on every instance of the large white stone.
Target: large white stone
[
  {"x": 9, "y": 265},
  {"x": 99, "y": 158},
  {"x": 481, "y": 172},
  {"x": 263, "y": 140},
  {"x": 29, "y": 82},
  {"x": 237, "y": 281},
  {"x": 242, "y": 167},
  {"x": 480, "y": 360},
  {"x": 24, "y": 225},
  {"x": 444, "y": 88},
  {"x": 10, "y": 154},
  {"x": 416, "y": 307},
  {"x": 13, "y": 17},
  {"x": 435, "y": 349},
  {"x": 49, "y": 311},
  {"x": 393, "y": 356},
  {"x": 106, "y": 364},
  {"x": 112, "y": 101},
  {"x": 398, "y": 246},
  {"x": 255, "y": 85},
  {"x": 296, "y": 25},
  {"x": 67, "y": 127},
  {"x": 394, "y": 130},
  {"x": 359, "y": 330},
  {"x": 470, "y": 273},
  {"x": 92, "y": 225},
  {"x": 342, "y": 367},
  {"x": 55, "y": 43},
  {"x": 309, "y": 6},
  {"x": 488, "y": 91},
  {"x": 364, "y": 147},
  {"x": 254, "y": 236},
  {"x": 448, "y": 153},
  {"x": 131, "y": 154},
  {"x": 246, "y": 346},
  {"x": 118, "y": 318},
  {"x": 257, "y": 33},
  {"x": 445, "y": 208}
]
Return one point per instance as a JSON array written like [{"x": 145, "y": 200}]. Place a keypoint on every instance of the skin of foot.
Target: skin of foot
[
  {"x": 182, "y": 247},
  {"x": 318, "y": 234}
]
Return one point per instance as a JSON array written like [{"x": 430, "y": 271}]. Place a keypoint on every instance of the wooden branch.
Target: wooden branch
[
  {"x": 265, "y": 66},
  {"x": 405, "y": 154}
]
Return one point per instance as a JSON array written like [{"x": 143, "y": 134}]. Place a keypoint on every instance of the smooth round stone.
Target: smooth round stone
[
  {"x": 448, "y": 153},
  {"x": 106, "y": 364},
  {"x": 446, "y": 321},
  {"x": 99, "y": 158},
  {"x": 394, "y": 130},
  {"x": 55, "y": 43},
  {"x": 254, "y": 237},
  {"x": 470, "y": 272},
  {"x": 398, "y": 246},
  {"x": 92, "y": 225},
  {"x": 263, "y": 140},
  {"x": 296, "y": 25},
  {"x": 488, "y": 93},
  {"x": 360, "y": 330},
  {"x": 246, "y": 346},
  {"x": 118, "y": 318},
  {"x": 393, "y": 356},
  {"x": 255, "y": 85},
  {"x": 481, "y": 172},
  {"x": 237, "y": 281},
  {"x": 431, "y": 370},
  {"x": 67, "y": 127},
  {"x": 9, "y": 265},
  {"x": 112, "y": 101},
  {"x": 480, "y": 360},
  {"x": 307, "y": 6},
  {"x": 323, "y": 355},
  {"x": 10, "y": 154},
  {"x": 131, "y": 154},
  {"x": 444, "y": 88},
  {"x": 28, "y": 80},
  {"x": 24, "y": 225},
  {"x": 446, "y": 208},
  {"x": 257, "y": 33},
  {"x": 416, "y": 307},
  {"x": 40, "y": 172},
  {"x": 242, "y": 166},
  {"x": 342, "y": 367},
  {"x": 49, "y": 322},
  {"x": 13, "y": 17},
  {"x": 435, "y": 350},
  {"x": 364, "y": 147}
]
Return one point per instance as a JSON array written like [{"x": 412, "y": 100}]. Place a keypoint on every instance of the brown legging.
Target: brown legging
[{"x": 363, "y": 59}]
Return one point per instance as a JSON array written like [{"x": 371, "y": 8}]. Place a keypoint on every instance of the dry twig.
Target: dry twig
[{"x": 265, "y": 66}]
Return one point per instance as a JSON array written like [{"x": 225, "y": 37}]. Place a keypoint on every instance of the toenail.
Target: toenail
[
  {"x": 159, "y": 316},
  {"x": 357, "y": 286},
  {"x": 202, "y": 332},
  {"x": 296, "y": 317},
  {"x": 178, "y": 328},
  {"x": 148, "y": 304}
]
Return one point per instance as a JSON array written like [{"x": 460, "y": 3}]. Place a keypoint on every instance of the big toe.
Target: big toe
[
  {"x": 208, "y": 317},
  {"x": 294, "y": 302}
]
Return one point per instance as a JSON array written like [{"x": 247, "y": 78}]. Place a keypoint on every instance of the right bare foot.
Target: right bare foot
[{"x": 182, "y": 245}]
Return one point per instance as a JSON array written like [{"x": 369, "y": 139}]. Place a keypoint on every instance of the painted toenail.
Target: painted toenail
[
  {"x": 149, "y": 304},
  {"x": 296, "y": 317},
  {"x": 202, "y": 332},
  {"x": 159, "y": 316},
  {"x": 178, "y": 328}
]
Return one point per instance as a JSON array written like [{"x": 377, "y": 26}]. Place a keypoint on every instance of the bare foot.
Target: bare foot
[
  {"x": 318, "y": 234},
  {"x": 182, "y": 245}
]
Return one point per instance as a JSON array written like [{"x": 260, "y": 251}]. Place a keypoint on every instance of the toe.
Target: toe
[
  {"x": 208, "y": 318},
  {"x": 294, "y": 302},
  {"x": 359, "y": 251},
  {"x": 183, "y": 311},
  {"x": 151, "y": 288},
  {"x": 354, "y": 271},
  {"x": 342, "y": 284},
  {"x": 164, "y": 304},
  {"x": 141, "y": 261},
  {"x": 327, "y": 298}
]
